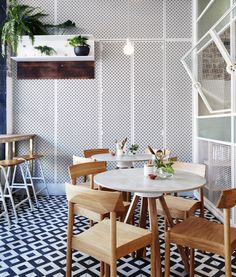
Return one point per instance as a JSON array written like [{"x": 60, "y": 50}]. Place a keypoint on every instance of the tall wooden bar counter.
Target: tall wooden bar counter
[{"x": 10, "y": 143}]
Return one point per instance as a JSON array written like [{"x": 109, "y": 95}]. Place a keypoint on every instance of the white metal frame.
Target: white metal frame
[
  {"x": 230, "y": 60},
  {"x": 231, "y": 66}
]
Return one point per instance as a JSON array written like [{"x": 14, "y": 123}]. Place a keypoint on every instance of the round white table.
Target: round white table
[
  {"x": 133, "y": 180},
  {"x": 123, "y": 161}
]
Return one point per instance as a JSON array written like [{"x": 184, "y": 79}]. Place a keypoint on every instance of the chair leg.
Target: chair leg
[
  {"x": 113, "y": 268},
  {"x": 107, "y": 270},
  {"x": 167, "y": 254},
  {"x": 68, "y": 262},
  {"x": 29, "y": 177},
  {"x": 153, "y": 261},
  {"x": 228, "y": 269},
  {"x": 191, "y": 269},
  {"x": 165, "y": 224},
  {"x": 26, "y": 187},
  {"x": 101, "y": 269}
]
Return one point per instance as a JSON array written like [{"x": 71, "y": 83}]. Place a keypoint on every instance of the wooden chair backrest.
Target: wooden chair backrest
[
  {"x": 227, "y": 199},
  {"x": 91, "y": 168},
  {"x": 199, "y": 169},
  {"x": 90, "y": 152},
  {"x": 95, "y": 200}
]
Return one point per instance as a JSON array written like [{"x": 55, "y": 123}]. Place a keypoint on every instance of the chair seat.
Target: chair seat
[
  {"x": 30, "y": 157},
  {"x": 178, "y": 206},
  {"x": 6, "y": 163},
  {"x": 93, "y": 215},
  {"x": 195, "y": 232},
  {"x": 96, "y": 240}
]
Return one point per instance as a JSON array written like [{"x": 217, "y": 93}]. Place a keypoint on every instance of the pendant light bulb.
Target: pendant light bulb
[{"x": 128, "y": 48}]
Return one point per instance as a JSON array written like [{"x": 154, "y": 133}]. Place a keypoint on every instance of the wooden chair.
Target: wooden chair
[
  {"x": 179, "y": 207},
  {"x": 205, "y": 235},
  {"x": 89, "y": 169},
  {"x": 88, "y": 153},
  {"x": 108, "y": 240}
]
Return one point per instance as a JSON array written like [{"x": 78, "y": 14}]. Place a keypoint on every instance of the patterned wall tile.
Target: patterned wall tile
[
  {"x": 179, "y": 19},
  {"x": 178, "y": 102},
  {"x": 146, "y": 19},
  {"x": 44, "y": 5},
  {"x": 116, "y": 98},
  {"x": 33, "y": 113},
  {"x": 148, "y": 94},
  {"x": 77, "y": 117},
  {"x": 78, "y": 100},
  {"x": 103, "y": 19}
]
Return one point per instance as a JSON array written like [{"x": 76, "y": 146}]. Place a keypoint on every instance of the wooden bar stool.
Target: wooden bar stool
[
  {"x": 30, "y": 177},
  {"x": 10, "y": 187}
]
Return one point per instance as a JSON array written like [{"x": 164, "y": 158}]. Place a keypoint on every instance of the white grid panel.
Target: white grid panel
[
  {"x": 217, "y": 158},
  {"x": 179, "y": 19},
  {"x": 33, "y": 113},
  {"x": 77, "y": 117},
  {"x": 146, "y": 19},
  {"x": 148, "y": 94},
  {"x": 103, "y": 19},
  {"x": 44, "y": 5},
  {"x": 178, "y": 102},
  {"x": 116, "y": 98}
]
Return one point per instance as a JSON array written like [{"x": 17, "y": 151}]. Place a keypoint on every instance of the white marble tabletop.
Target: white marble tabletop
[
  {"x": 133, "y": 180},
  {"x": 123, "y": 158}
]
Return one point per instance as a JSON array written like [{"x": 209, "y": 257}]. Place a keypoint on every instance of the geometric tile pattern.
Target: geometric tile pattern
[
  {"x": 37, "y": 247},
  {"x": 39, "y": 108},
  {"x": 116, "y": 96},
  {"x": 77, "y": 119},
  {"x": 103, "y": 19},
  {"x": 148, "y": 94},
  {"x": 146, "y": 19},
  {"x": 46, "y": 6},
  {"x": 144, "y": 22},
  {"x": 178, "y": 102},
  {"x": 178, "y": 19},
  {"x": 33, "y": 110}
]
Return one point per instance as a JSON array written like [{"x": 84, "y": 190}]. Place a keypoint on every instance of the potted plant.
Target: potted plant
[
  {"x": 134, "y": 148},
  {"x": 81, "y": 48}
]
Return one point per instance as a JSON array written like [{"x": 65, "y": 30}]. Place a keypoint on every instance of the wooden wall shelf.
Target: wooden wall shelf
[
  {"x": 64, "y": 64},
  {"x": 56, "y": 70}
]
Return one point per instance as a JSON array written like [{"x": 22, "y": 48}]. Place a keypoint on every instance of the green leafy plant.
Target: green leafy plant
[
  {"x": 162, "y": 160},
  {"x": 21, "y": 20},
  {"x": 49, "y": 51},
  {"x": 62, "y": 26},
  {"x": 78, "y": 41},
  {"x": 133, "y": 148}
]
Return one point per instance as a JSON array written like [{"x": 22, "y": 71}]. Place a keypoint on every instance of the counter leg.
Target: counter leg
[
  {"x": 31, "y": 144},
  {"x": 132, "y": 207},
  {"x": 13, "y": 149}
]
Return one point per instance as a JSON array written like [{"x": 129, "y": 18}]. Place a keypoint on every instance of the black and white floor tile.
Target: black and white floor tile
[{"x": 36, "y": 246}]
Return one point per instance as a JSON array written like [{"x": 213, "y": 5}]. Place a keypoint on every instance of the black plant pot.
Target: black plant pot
[{"x": 81, "y": 50}]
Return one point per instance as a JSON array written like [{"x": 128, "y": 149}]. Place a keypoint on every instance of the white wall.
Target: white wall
[{"x": 147, "y": 97}]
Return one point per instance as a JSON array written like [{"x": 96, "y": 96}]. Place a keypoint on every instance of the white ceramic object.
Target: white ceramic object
[
  {"x": 119, "y": 152},
  {"x": 148, "y": 169}
]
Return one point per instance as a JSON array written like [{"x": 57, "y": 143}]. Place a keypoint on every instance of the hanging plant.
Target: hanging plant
[
  {"x": 21, "y": 20},
  {"x": 25, "y": 20}
]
